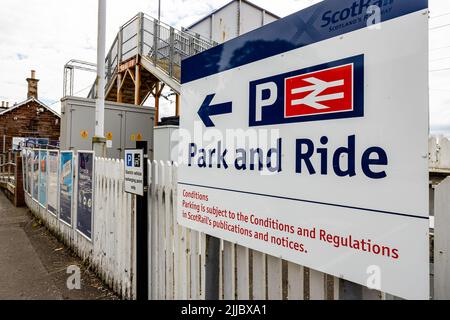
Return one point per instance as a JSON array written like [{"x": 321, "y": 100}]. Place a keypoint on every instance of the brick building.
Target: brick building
[{"x": 28, "y": 119}]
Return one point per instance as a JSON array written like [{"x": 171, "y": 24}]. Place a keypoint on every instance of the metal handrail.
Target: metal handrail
[
  {"x": 130, "y": 21},
  {"x": 8, "y": 164},
  {"x": 7, "y": 168}
]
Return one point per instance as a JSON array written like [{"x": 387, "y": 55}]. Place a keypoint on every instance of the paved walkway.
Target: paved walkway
[{"x": 33, "y": 264}]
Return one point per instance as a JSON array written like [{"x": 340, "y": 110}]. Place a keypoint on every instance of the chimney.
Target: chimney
[
  {"x": 7, "y": 105},
  {"x": 3, "y": 104},
  {"x": 32, "y": 85}
]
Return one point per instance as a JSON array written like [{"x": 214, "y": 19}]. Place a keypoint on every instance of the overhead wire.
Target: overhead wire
[{"x": 81, "y": 90}]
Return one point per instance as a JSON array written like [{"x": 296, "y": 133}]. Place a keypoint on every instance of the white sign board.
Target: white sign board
[
  {"x": 18, "y": 143},
  {"x": 134, "y": 171},
  {"x": 307, "y": 139}
]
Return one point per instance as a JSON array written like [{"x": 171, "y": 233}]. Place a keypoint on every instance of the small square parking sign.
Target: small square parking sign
[{"x": 134, "y": 171}]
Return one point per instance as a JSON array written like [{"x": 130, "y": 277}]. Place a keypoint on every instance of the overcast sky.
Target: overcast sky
[{"x": 45, "y": 34}]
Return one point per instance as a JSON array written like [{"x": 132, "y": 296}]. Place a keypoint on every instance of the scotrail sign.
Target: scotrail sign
[{"x": 307, "y": 139}]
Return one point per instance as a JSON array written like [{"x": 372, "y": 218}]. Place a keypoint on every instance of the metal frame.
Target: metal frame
[{"x": 69, "y": 74}]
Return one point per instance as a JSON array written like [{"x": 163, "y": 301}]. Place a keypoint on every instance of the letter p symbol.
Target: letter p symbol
[{"x": 266, "y": 95}]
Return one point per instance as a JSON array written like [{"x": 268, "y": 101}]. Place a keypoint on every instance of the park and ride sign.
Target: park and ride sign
[
  {"x": 307, "y": 139},
  {"x": 134, "y": 171}
]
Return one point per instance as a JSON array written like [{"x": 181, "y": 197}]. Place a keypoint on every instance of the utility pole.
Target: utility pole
[
  {"x": 99, "y": 141},
  {"x": 159, "y": 10}
]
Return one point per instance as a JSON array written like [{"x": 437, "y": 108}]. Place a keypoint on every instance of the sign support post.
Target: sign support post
[
  {"x": 212, "y": 268},
  {"x": 142, "y": 232},
  {"x": 136, "y": 183}
]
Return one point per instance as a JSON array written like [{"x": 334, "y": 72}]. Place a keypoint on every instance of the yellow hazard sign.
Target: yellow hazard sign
[
  {"x": 139, "y": 137},
  {"x": 84, "y": 134},
  {"x": 109, "y": 136},
  {"x": 133, "y": 137}
]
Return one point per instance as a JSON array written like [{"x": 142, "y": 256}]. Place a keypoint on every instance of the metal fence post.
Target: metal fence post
[
  {"x": 171, "y": 50},
  {"x": 350, "y": 290},
  {"x": 71, "y": 81},
  {"x": 191, "y": 46},
  {"x": 109, "y": 71},
  {"x": 119, "y": 47},
  {"x": 155, "y": 40},
  {"x": 9, "y": 167},
  {"x": 140, "y": 35},
  {"x": 142, "y": 233}
]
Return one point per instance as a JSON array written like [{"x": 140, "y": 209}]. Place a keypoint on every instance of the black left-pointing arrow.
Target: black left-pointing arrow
[{"x": 207, "y": 110}]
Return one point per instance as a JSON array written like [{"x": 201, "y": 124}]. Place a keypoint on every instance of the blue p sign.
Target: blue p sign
[{"x": 129, "y": 160}]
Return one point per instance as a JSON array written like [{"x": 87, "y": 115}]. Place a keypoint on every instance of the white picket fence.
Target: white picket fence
[
  {"x": 111, "y": 252},
  {"x": 177, "y": 259},
  {"x": 177, "y": 254}
]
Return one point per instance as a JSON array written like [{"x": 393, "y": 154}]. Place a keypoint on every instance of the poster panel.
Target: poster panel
[
  {"x": 85, "y": 175},
  {"x": 29, "y": 171},
  {"x": 66, "y": 186},
  {"x": 43, "y": 178},
  {"x": 35, "y": 174},
  {"x": 52, "y": 182},
  {"x": 23, "y": 154},
  {"x": 36, "y": 142}
]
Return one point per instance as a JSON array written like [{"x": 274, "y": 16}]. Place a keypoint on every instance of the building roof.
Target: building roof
[
  {"x": 226, "y": 5},
  {"x": 31, "y": 99}
]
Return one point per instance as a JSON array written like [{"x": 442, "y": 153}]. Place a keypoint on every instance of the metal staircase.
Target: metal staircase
[{"x": 145, "y": 57}]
